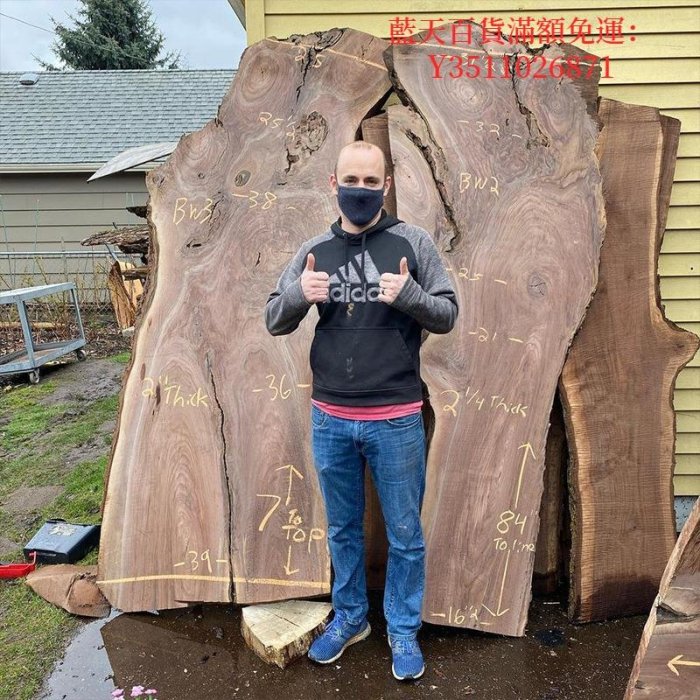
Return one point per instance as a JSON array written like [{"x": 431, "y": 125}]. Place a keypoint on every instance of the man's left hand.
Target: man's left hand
[{"x": 390, "y": 284}]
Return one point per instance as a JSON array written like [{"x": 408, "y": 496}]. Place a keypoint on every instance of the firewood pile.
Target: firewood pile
[{"x": 124, "y": 279}]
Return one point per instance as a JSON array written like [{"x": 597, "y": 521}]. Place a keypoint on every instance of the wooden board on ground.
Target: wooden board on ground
[
  {"x": 618, "y": 380},
  {"x": 503, "y": 172},
  {"x": 129, "y": 239},
  {"x": 668, "y": 660},
  {"x": 281, "y": 632},
  {"x": 211, "y": 492}
]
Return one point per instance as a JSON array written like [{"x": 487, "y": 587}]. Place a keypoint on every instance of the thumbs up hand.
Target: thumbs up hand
[
  {"x": 390, "y": 285},
  {"x": 314, "y": 285}
]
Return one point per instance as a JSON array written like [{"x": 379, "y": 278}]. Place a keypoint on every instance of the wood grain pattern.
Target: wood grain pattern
[
  {"x": 211, "y": 493},
  {"x": 124, "y": 292},
  {"x": 549, "y": 554},
  {"x": 280, "y": 633},
  {"x": 667, "y": 664},
  {"x": 503, "y": 172},
  {"x": 618, "y": 380}
]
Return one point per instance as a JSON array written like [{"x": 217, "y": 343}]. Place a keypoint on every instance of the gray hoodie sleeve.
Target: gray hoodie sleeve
[
  {"x": 286, "y": 306},
  {"x": 430, "y": 299}
]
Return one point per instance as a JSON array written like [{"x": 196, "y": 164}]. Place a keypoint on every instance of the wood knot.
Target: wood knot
[
  {"x": 309, "y": 136},
  {"x": 536, "y": 285},
  {"x": 241, "y": 178}
]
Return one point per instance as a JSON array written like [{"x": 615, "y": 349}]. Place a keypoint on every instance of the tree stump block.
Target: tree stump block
[{"x": 281, "y": 632}]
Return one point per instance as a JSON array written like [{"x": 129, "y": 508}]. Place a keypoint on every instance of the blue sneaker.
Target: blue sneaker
[
  {"x": 338, "y": 635},
  {"x": 407, "y": 659}
]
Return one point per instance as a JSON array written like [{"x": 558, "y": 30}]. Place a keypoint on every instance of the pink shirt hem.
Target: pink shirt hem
[{"x": 395, "y": 410}]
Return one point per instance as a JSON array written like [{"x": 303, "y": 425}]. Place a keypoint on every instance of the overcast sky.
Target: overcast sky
[{"x": 207, "y": 33}]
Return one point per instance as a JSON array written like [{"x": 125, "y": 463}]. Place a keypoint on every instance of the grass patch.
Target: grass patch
[
  {"x": 42, "y": 459},
  {"x": 33, "y": 634},
  {"x": 27, "y": 394},
  {"x": 123, "y": 357},
  {"x": 28, "y": 422},
  {"x": 35, "y": 440},
  {"x": 27, "y": 416},
  {"x": 79, "y": 429},
  {"x": 13, "y": 531},
  {"x": 81, "y": 500}
]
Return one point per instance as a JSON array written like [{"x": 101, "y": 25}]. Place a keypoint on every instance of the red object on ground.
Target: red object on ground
[{"x": 17, "y": 570}]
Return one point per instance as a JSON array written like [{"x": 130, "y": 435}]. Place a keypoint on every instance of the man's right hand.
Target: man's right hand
[{"x": 314, "y": 285}]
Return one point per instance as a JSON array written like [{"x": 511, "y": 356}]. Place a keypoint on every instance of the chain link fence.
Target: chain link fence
[{"x": 53, "y": 317}]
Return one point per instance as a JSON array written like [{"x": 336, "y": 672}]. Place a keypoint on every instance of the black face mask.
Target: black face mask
[{"x": 360, "y": 204}]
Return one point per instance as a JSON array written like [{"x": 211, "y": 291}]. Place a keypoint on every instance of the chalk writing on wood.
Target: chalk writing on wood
[
  {"x": 508, "y": 524},
  {"x": 252, "y": 196},
  {"x": 478, "y": 183},
  {"x": 193, "y": 213},
  {"x": 153, "y": 389},
  {"x": 295, "y": 528},
  {"x": 279, "y": 388},
  {"x": 473, "y": 396}
]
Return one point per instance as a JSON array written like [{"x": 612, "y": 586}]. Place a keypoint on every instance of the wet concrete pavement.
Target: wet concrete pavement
[{"x": 199, "y": 653}]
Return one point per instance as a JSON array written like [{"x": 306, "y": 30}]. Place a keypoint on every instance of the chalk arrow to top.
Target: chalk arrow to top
[
  {"x": 676, "y": 661},
  {"x": 287, "y": 567},
  {"x": 528, "y": 448},
  {"x": 292, "y": 472}
]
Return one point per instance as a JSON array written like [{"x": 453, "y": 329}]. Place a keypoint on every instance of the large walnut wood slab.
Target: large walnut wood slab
[
  {"x": 618, "y": 380},
  {"x": 211, "y": 494},
  {"x": 503, "y": 172}
]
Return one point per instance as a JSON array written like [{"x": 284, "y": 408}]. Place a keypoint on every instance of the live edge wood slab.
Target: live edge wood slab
[
  {"x": 503, "y": 171},
  {"x": 211, "y": 494},
  {"x": 668, "y": 660},
  {"x": 618, "y": 381}
]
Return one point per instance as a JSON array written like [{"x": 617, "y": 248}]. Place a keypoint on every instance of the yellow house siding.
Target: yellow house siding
[{"x": 661, "y": 67}]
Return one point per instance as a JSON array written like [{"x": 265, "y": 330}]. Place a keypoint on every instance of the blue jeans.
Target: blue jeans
[{"x": 395, "y": 452}]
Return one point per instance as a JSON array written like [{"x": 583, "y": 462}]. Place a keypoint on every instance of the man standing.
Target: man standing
[{"x": 377, "y": 282}]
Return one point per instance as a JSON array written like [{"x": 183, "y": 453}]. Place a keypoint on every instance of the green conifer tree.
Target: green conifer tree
[{"x": 110, "y": 35}]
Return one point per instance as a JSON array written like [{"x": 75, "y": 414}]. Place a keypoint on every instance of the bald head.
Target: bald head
[{"x": 363, "y": 155}]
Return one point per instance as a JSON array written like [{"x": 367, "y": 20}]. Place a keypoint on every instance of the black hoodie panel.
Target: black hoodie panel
[{"x": 364, "y": 352}]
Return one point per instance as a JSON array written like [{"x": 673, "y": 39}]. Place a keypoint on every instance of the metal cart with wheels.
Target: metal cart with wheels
[{"x": 32, "y": 356}]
